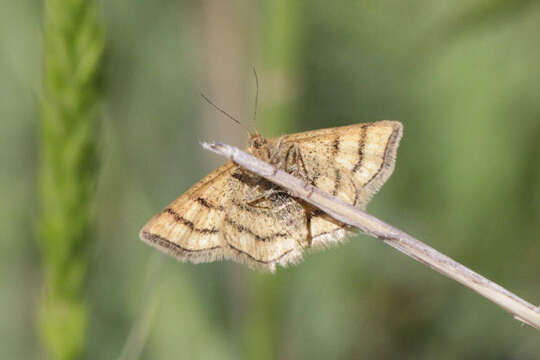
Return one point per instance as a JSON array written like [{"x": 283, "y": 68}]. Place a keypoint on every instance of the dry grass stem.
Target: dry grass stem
[{"x": 410, "y": 246}]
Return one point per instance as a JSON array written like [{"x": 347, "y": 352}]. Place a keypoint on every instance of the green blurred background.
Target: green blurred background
[{"x": 462, "y": 76}]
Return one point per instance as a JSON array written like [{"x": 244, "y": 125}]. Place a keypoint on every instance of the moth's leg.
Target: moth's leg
[
  {"x": 306, "y": 243},
  {"x": 254, "y": 193},
  {"x": 250, "y": 198},
  {"x": 303, "y": 169},
  {"x": 280, "y": 207},
  {"x": 300, "y": 169},
  {"x": 276, "y": 150},
  {"x": 251, "y": 195},
  {"x": 310, "y": 213}
]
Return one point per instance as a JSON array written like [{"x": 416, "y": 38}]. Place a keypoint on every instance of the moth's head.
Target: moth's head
[{"x": 257, "y": 145}]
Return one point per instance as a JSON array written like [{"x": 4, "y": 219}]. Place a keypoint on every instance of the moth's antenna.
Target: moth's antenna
[
  {"x": 223, "y": 111},
  {"x": 256, "y": 96}
]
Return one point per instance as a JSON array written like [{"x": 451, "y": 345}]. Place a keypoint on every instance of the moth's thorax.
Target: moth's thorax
[
  {"x": 260, "y": 147},
  {"x": 277, "y": 152}
]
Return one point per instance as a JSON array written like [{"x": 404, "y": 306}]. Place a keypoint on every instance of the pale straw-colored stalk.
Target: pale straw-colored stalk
[{"x": 405, "y": 243}]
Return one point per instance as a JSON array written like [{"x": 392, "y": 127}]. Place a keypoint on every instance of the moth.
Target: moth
[{"x": 236, "y": 215}]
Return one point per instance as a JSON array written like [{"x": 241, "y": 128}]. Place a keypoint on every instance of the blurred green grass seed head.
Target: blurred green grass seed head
[{"x": 70, "y": 105}]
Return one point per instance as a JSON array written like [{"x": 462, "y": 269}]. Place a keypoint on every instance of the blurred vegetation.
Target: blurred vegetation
[
  {"x": 461, "y": 76},
  {"x": 73, "y": 45}
]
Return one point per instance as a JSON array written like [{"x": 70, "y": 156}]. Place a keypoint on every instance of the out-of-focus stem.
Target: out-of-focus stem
[{"x": 73, "y": 46}]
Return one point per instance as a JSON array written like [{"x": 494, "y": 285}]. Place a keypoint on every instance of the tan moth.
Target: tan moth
[{"x": 234, "y": 214}]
